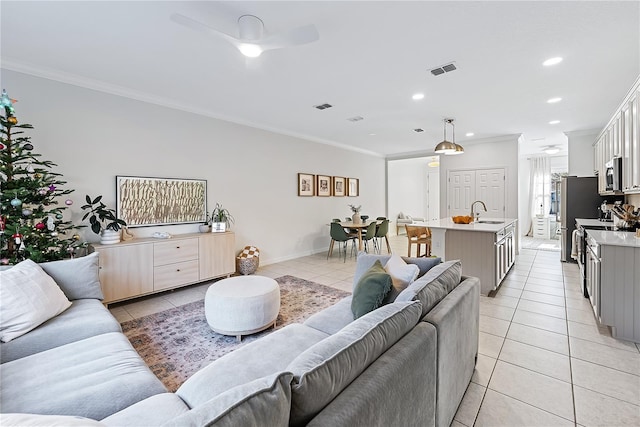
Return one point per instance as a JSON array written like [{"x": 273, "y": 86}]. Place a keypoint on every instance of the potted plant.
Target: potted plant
[
  {"x": 103, "y": 221},
  {"x": 221, "y": 219}
]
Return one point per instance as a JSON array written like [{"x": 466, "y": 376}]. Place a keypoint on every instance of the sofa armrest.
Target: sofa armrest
[{"x": 457, "y": 321}]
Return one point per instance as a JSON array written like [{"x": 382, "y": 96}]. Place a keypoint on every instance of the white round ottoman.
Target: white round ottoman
[{"x": 242, "y": 305}]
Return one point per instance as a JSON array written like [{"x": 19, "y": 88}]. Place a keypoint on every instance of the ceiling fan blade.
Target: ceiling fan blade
[
  {"x": 297, "y": 36},
  {"x": 203, "y": 28}
]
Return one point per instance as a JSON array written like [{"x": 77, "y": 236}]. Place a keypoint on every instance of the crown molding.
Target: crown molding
[
  {"x": 583, "y": 132},
  {"x": 100, "y": 86}
]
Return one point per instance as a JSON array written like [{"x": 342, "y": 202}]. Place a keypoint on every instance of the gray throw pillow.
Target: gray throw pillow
[
  {"x": 370, "y": 291},
  {"x": 78, "y": 278},
  {"x": 365, "y": 261}
]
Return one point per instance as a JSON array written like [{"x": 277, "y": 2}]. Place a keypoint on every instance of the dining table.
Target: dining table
[{"x": 348, "y": 225}]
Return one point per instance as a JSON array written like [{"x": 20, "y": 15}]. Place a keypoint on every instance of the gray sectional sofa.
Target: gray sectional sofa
[{"x": 407, "y": 363}]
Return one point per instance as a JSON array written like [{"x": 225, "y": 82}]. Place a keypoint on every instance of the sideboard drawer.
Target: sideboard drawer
[
  {"x": 174, "y": 275},
  {"x": 174, "y": 251}
]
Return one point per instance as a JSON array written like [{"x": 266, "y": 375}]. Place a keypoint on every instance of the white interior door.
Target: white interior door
[
  {"x": 461, "y": 193},
  {"x": 490, "y": 189}
]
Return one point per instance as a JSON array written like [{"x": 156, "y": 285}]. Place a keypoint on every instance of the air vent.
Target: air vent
[
  {"x": 355, "y": 119},
  {"x": 418, "y": 130},
  {"x": 446, "y": 68},
  {"x": 323, "y": 106}
]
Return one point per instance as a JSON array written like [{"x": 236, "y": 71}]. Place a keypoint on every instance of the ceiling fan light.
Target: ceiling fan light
[
  {"x": 445, "y": 147},
  {"x": 250, "y": 50},
  {"x": 552, "y": 150}
]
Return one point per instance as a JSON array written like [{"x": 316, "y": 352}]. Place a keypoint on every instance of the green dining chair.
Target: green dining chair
[
  {"x": 370, "y": 235},
  {"x": 339, "y": 235},
  {"x": 381, "y": 233}
]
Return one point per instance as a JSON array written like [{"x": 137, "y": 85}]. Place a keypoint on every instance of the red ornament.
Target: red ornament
[{"x": 40, "y": 226}]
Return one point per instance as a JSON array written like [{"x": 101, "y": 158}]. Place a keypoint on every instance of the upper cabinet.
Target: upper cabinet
[{"x": 621, "y": 138}]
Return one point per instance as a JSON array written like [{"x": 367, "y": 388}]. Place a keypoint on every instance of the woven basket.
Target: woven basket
[{"x": 247, "y": 265}]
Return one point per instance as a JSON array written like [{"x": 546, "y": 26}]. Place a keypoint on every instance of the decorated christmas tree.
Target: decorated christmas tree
[{"x": 32, "y": 223}]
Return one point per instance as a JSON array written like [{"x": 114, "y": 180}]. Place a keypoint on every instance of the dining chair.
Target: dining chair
[
  {"x": 418, "y": 235},
  {"x": 381, "y": 233},
  {"x": 339, "y": 235},
  {"x": 370, "y": 235}
]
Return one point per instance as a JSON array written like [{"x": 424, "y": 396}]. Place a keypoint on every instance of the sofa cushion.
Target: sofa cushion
[
  {"x": 322, "y": 371},
  {"x": 333, "y": 318},
  {"x": 152, "y": 411},
  {"x": 78, "y": 278},
  {"x": 268, "y": 355},
  {"x": 402, "y": 274},
  {"x": 365, "y": 261},
  {"x": 431, "y": 288},
  {"x": 93, "y": 317},
  {"x": 372, "y": 288},
  {"x": 28, "y": 298},
  {"x": 36, "y": 420},
  {"x": 92, "y": 378},
  {"x": 261, "y": 402}
]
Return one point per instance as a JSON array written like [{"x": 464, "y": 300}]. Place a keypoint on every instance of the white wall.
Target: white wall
[
  {"x": 408, "y": 187},
  {"x": 94, "y": 136},
  {"x": 581, "y": 151},
  {"x": 491, "y": 153}
]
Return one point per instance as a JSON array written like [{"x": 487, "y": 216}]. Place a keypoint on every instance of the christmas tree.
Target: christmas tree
[{"x": 31, "y": 219}]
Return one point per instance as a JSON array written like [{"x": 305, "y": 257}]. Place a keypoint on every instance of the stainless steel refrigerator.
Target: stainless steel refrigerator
[{"x": 579, "y": 198}]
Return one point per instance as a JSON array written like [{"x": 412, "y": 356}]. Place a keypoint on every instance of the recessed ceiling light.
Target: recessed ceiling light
[
  {"x": 469, "y": 134},
  {"x": 552, "y": 61},
  {"x": 417, "y": 96},
  {"x": 554, "y": 122},
  {"x": 554, "y": 100},
  {"x": 372, "y": 134}
]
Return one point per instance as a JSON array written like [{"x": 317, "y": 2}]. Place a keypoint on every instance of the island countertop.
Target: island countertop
[{"x": 448, "y": 224}]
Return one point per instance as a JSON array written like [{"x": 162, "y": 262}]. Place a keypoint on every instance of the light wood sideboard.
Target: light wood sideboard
[{"x": 145, "y": 266}]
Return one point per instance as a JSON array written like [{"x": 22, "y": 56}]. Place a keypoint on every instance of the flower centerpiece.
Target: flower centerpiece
[{"x": 356, "y": 213}]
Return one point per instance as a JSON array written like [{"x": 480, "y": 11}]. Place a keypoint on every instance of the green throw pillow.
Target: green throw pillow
[{"x": 370, "y": 291}]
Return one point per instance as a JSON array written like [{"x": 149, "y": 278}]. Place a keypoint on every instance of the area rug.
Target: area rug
[{"x": 178, "y": 342}]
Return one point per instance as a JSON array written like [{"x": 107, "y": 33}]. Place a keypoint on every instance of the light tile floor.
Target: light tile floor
[{"x": 543, "y": 360}]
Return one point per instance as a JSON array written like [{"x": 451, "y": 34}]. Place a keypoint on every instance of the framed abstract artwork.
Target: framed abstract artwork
[
  {"x": 146, "y": 201},
  {"x": 353, "y": 187},
  {"x": 306, "y": 184},
  {"x": 338, "y": 186},
  {"x": 323, "y": 185}
]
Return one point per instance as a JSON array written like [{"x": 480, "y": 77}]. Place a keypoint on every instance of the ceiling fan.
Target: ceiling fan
[{"x": 252, "y": 40}]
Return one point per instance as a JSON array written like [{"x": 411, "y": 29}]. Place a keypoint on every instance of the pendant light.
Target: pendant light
[{"x": 447, "y": 147}]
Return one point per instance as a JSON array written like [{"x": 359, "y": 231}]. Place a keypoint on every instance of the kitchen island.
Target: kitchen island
[{"x": 486, "y": 248}]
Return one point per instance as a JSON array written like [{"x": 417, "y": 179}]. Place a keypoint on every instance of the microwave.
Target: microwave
[{"x": 614, "y": 174}]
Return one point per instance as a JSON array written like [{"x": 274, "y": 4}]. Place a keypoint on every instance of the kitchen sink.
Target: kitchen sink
[{"x": 486, "y": 221}]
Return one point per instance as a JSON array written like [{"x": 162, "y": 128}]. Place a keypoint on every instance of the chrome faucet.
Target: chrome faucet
[{"x": 476, "y": 215}]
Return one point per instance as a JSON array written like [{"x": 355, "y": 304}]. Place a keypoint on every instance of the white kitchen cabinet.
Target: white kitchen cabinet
[{"x": 621, "y": 138}]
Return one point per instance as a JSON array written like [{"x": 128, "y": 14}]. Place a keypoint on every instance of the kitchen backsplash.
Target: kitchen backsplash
[{"x": 633, "y": 199}]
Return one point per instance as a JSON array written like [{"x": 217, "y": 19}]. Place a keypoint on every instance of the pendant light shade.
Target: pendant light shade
[{"x": 448, "y": 147}]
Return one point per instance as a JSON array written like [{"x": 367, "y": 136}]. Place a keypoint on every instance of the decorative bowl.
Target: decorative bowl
[{"x": 462, "y": 219}]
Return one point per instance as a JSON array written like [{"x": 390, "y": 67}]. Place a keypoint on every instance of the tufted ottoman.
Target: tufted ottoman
[{"x": 242, "y": 305}]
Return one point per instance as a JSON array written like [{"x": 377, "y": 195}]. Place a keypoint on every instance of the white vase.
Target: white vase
[
  {"x": 205, "y": 228},
  {"x": 109, "y": 237},
  {"x": 218, "y": 227},
  {"x": 356, "y": 218}
]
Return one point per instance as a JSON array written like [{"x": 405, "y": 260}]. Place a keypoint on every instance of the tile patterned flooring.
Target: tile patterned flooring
[{"x": 543, "y": 359}]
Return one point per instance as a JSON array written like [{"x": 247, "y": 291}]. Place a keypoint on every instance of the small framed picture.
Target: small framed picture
[
  {"x": 323, "y": 185},
  {"x": 339, "y": 186},
  {"x": 306, "y": 184},
  {"x": 353, "y": 187}
]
